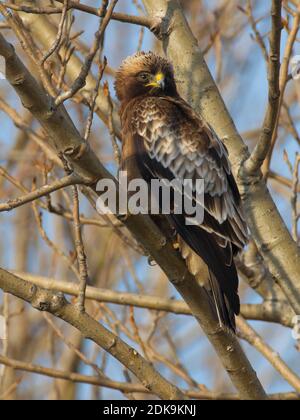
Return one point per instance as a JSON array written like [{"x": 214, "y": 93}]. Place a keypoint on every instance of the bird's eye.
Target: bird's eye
[{"x": 144, "y": 77}]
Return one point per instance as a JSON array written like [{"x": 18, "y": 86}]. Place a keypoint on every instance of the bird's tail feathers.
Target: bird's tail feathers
[
  {"x": 221, "y": 305},
  {"x": 207, "y": 279}
]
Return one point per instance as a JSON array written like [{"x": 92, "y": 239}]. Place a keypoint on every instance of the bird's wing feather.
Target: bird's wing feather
[
  {"x": 182, "y": 146},
  {"x": 172, "y": 142}
]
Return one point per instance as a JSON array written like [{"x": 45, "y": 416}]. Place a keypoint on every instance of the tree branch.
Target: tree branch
[
  {"x": 121, "y": 17},
  {"x": 267, "y": 311},
  {"x": 40, "y": 192},
  {"x": 46, "y": 32},
  {"x": 255, "y": 161},
  {"x": 123, "y": 386},
  {"x": 283, "y": 81},
  {"x": 74, "y": 377},
  {"x": 33, "y": 98},
  {"x": 80, "y": 81},
  {"x": 44, "y": 300}
]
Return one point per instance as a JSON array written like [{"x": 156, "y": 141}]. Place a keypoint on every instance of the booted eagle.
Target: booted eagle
[{"x": 163, "y": 138}]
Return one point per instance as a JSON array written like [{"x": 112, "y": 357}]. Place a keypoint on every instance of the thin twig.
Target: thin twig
[
  {"x": 112, "y": 132},
  {"x": 258, "y": 37},
  {"x": 95, "y": 93},
  {"x": 80, "y": 81},
  {"x": 28, "y": 45},
  {"x": 255, "y": 161},
  {"x": 50, "y": 243},
  {"x": 71, "y": 346},
  {"x": 57, "y": 42},
  {"x": 80, "y": 251}
]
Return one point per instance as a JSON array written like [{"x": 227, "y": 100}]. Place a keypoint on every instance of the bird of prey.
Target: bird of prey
[{"x": 163, "y": 138}]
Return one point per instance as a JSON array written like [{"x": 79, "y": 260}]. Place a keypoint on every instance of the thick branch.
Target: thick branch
[
  {"x": 55, "y": 122},
  {"x": 44, "y": 300}
]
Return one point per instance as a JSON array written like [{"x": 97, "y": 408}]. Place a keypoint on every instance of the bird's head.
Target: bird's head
[{"x": 145, "y": 73}]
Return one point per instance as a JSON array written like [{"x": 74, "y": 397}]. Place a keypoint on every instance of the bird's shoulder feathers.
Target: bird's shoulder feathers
[{"x": 181, "y": 145}]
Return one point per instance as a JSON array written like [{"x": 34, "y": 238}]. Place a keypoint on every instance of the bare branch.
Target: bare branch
[
  {"x": 80, "y": 251},
  {"x": 255, "y": 161},
  {"x": 268, "y": 311},
  {"x": 250, "y": 335},
  {"x": 80, "y": 81},
  {"x": 40, "y": 192},
  {"x": 46, "y": 32},
  {"x": 121, "y": 17},
  {"x": 101, "y": 70},
  {"x": 258, "y": 37},
  {"x": 57, "y": 42},
  {"x": 44, "y": 300},
  {"x": 283, "y": 81},
  {"x": 122, "y": 386},
  {"x": 41, "y": 106},
  {"x": 112, "y": 131}
]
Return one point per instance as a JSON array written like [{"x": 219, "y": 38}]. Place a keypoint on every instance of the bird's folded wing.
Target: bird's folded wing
[{"x": 180, "y": 145}]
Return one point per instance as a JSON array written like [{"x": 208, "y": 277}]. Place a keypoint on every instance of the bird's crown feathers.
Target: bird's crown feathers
[{"x": 142, "y": 60}]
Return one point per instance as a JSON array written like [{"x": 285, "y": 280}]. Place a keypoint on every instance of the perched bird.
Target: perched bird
[{"x": 163, "y": 138}]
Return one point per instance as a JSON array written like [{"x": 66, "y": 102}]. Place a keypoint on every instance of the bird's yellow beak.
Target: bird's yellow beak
[{"x": 158, "y": 81}]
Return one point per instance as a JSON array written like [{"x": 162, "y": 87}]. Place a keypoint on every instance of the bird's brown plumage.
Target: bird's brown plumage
[{"x": 164, "y": 138}]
